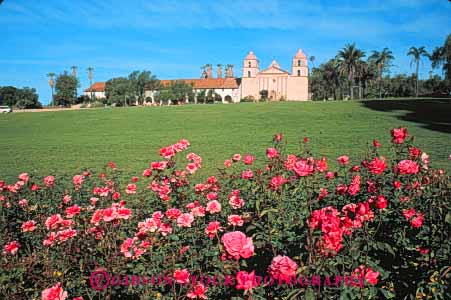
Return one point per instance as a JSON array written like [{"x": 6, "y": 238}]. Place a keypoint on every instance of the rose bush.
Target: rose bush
[{"x": 385, "y": 220}]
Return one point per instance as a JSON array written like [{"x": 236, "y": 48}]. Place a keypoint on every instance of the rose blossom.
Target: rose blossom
[
  {"x": 238, "y": 245},
  {"x": 11, "y": 248},
  {"x": 131, "y": 189},
  {"x": 369, "y": 275},
  {"x": 377, "y": 166},
  {"x": 49, "y": 181},
  {"x": 56, "y": 292},
  {"x": 198, "y": 292},
  {"x": 343, "y": 160},
  {"x": 212, "y": 229},
  {"x": 408, "y": 167},
  {"x": 235, "y": 220},
  {"x": 28, "y": 226},
  {"x": 181, "y": 276},
  {"x": 246, "y": 281},
  {"x": 213, "y": 207},
  {"x": 282, "y": 268},
  {"x": 248, "y": 160},
  {"x": 271, "y": 153},
  {"x": 185, "y": 220},
  {"x": 399, "y": 134}
]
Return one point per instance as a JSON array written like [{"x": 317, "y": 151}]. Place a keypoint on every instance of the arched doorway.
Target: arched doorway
[{"x": 228, "y": 99}]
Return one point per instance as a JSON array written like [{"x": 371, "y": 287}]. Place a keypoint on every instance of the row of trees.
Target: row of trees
[
  {"x": 65, "y": 85},
  {"x": 20, "y": 98},
  {"x": 348, "y": 71},
  {"x": 123, "y": 91}
]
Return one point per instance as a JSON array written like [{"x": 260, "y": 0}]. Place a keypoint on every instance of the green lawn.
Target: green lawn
[{"x": 63, "y": 142}]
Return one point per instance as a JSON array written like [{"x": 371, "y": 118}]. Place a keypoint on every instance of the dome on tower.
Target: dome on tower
[
  {"x": 251, "y": 55},
  {"x": 300, "y": 55}
]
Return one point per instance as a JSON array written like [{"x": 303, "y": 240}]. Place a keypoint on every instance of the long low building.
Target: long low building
[
  {"x": 274, "y": 83},
  {"x": 96, "y": 90}
]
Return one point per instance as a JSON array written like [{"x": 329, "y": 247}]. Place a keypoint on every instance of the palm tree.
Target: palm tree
[
  {"x": 90, "y": 76},
  {"x": 74, "y": 74},
  {"x": 382, "y": 61},
  {"x": 349, "y": 58},
  {"x": 312, "y": 60},
  {"x": 441, "y": 56},
  {"x": 51, "y": 75},
  {"x": 416, "y": 54},
  {"x": 74, "y": 71}
]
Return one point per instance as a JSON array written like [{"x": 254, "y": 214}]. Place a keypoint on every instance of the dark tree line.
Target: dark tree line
[{"x": 20, "y": 98}]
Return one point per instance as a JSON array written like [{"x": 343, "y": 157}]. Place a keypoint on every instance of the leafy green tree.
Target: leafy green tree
[
  {"x": 180, "y": 91},
  {"x": 66, "y": 89},
  {"x": 441, "y": 56},
  {"x": 119, "y": 91},
  {"x": 349, "y": 58},
  {"x": 416, "y": 54},
  {"x": 382, "y": 61},
  {"x": 264, "y": 95},
  {"x": 140, "y": 81},
  {"x": 202, "y": 96},
  {"x": 21, "y": 98}
]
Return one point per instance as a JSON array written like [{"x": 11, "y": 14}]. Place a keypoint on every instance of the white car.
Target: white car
[{"x": 5, "y": 109}]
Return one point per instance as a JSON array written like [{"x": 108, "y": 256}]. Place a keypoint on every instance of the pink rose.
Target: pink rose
[
  {"x": 248, "y": 160},
  {"x": 303, "y": 168},
  {"x": 246, "y": 281},
  {"x": 282, "y": 268},
  {"x": 238, "y": 244},
  {"x": 213, "y": 207},
  {"x": 185, "y": 220},
  {"x": 271, "y": 153},
  {"x": 343, "y": 160},
  {"x": 56, "y": 292}
]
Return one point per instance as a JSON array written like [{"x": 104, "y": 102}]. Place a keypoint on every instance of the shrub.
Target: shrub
[{"x": 380, "y": 225}]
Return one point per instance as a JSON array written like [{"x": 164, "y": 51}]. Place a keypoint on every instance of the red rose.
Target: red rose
[
  {"x": 408, "y": 167},
  {"x": 377, "y": 166},
  {"x": 381, "y": 202},
  {"x": 181, "y": 276},
  {"x": 399, "y": 134}
]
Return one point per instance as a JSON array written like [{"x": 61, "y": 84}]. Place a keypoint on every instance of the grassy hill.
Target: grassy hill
[{"x": 63, "y": 142}]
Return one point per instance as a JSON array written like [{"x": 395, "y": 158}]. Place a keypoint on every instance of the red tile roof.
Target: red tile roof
[
  {"x": 96, "y": 87},
  {"x": 207, "y": 83}
]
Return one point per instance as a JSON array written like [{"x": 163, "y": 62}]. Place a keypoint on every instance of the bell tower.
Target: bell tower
[
  {"x": 299, "y": 67},
  {"x": 250, "y": 66},
  {"x": 249, "y": 81}
]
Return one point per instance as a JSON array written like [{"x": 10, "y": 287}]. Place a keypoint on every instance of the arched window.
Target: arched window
[
  {"x": 248, "y": 73},
  {"x": 299, "y": 72},
  {"x": 299, "y": 63},
  {"x": 250, "y": 64}
]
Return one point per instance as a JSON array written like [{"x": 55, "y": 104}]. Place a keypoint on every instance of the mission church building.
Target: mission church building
[{"x": 278, "y": 83}]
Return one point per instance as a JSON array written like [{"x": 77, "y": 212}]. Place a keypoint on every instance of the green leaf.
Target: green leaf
[
  {"x": 387, "y": 294},
  {"x": 266, "y": 211}
]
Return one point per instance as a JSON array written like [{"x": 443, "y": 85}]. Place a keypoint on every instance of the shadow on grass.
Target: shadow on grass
[{"x": 434, "y": 114}]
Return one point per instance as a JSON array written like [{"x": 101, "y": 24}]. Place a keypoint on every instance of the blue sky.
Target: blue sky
[{"x": 174, "y": 38}]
